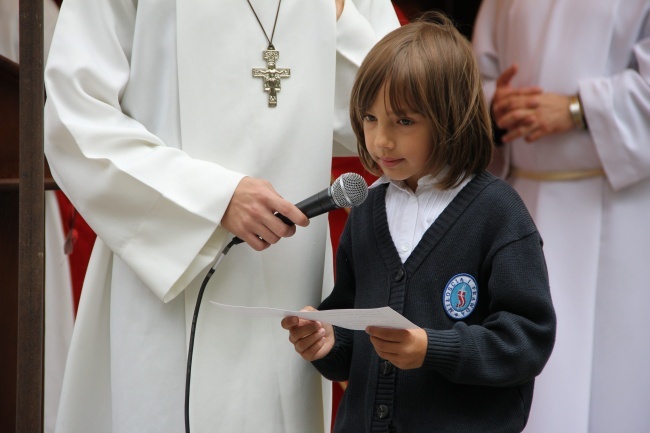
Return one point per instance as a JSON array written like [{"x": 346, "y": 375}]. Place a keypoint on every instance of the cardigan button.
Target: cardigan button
[
  {"x": 382, "y": 411},
  {"x": 386, "y": 368},
  {"x": 399, "y": 275}
]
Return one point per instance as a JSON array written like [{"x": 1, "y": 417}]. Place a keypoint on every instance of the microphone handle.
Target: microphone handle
[{"x": 315, "y": 205}]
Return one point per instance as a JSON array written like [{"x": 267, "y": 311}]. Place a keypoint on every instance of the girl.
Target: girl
[{"x": 442, "y": 242}]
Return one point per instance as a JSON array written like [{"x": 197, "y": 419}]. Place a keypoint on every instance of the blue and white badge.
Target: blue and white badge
[{"x": 460, "y": 296}]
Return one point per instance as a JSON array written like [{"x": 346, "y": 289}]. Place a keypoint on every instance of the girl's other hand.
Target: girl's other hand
[
  {"x": 404, "y": 348},
  {"x": 312, "y": 340}
]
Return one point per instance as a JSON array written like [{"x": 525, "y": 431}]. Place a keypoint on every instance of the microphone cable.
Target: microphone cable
[{"x": 188, "y": 374}]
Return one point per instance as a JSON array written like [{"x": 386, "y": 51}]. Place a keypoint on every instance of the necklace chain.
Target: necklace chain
[{"x": 270, "y": 40}]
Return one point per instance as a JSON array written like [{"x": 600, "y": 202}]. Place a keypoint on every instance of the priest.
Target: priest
[{"x": 172, "y": 126}]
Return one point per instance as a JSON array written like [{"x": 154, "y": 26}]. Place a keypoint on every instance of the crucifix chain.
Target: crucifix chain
[{"x": 271, "y": 76}]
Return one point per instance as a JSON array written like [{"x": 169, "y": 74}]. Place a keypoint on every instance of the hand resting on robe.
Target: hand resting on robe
[{"x": 528, "y": 112}]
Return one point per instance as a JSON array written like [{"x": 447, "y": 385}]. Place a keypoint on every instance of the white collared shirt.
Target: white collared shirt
[{"x": 411, "y": 213}]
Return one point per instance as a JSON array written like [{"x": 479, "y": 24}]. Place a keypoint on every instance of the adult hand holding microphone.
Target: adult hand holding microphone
[{"x": 259, "y": 216}]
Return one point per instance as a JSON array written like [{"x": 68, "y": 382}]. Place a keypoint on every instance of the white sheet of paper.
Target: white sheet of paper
[{"x": 355, "y": 319}]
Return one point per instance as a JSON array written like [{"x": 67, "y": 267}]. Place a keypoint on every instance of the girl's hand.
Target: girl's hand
[
  {"x": 404, "y": 348},
  {"x": 312, "y": 340}
]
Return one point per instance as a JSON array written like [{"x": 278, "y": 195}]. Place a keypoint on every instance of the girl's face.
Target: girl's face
[{"x": 400, "y": 145}]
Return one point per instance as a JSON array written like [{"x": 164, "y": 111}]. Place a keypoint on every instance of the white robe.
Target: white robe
[
  {"x": 59, "y": 305},
  {"x": 596, "y": 232},
  {"x": 153, "y": 117}
]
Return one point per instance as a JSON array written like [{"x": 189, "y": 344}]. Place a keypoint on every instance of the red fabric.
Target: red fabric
[
  {"x": 338, "y": 217},
  {"x": 337, "y": 220},
  {"x": 83, "y": 239},
  {"x": 400, "y": 15}
]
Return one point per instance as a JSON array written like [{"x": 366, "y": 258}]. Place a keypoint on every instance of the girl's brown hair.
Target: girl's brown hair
[{"x": 429, "y": 68}]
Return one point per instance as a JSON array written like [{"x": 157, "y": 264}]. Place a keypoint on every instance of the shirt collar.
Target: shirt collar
[{"x": 427, "y": 181}]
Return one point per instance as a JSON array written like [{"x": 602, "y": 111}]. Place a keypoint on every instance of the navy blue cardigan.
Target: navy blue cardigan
[{"x": 477, "y": 283}]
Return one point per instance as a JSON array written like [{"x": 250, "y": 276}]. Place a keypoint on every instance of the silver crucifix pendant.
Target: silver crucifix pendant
[{"x": 271, "y": 76}]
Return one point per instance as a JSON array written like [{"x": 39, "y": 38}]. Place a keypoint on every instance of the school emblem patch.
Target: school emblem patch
[{"x": 460, "y": 296}]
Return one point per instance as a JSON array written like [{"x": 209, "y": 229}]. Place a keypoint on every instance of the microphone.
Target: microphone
[{"x": 348, "y": 190}]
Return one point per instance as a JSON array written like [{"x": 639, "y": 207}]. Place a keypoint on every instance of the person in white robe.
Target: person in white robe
[
  {"x": 571, "y": 87},
  {"x": 163, "y": 138},
  {"x": 59, "y": 304}
]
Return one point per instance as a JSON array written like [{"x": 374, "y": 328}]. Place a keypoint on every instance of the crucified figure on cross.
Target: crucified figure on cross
[{"x": 271, "y": 76}]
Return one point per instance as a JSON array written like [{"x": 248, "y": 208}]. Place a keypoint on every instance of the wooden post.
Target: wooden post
[{"x": 31, "y": 232}]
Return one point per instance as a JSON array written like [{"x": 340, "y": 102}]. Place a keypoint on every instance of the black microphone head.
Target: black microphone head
[{"x": 349, "y": 190}]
